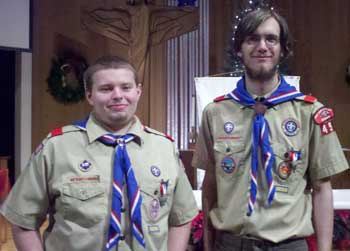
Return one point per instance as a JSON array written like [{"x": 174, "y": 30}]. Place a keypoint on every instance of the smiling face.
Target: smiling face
[
  {"x": 114, "y": 96},
  {"x": 261, "y": 51}
]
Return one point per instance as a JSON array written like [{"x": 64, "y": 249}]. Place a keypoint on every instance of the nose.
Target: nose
[
  {"x": 262, "y": 45},
  {"x": 116, "y": 94}
]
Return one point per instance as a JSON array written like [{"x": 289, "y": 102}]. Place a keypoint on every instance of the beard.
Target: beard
[{"x": 262, "y": 74}]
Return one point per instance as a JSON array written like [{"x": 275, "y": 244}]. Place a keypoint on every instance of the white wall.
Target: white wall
[{"x": 23, "y": 110}]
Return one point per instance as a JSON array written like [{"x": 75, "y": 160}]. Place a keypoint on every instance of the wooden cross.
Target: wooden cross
[{"x": 141, "y": 26}]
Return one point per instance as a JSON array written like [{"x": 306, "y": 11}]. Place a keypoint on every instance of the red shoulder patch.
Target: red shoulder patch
[
  {"x": 326, "y": 127},
  {"x": 220, "y": 98},
  {"x": 307, "y": 98},
  {"x": 323, "y": 114},
  {"x": 323, "y": 117},
  {"x": 56, "y": 132},
  {"x": 310, "y": 99}
]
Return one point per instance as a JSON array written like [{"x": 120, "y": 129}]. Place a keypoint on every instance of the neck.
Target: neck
[{"x": 261, "y": 87}]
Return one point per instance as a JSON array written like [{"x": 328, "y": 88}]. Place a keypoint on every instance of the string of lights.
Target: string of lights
[{"x": 233, "y": 66}]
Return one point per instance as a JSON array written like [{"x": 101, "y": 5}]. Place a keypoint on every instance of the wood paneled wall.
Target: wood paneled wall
[
  {"x": 62, "y": 19},
  {"x": 321, "y": 31}
]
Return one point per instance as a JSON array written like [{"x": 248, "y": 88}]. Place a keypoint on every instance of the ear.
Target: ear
[
  {"x": 139, "y": 89},
  {"x": 88, "y": 96},
  {"x": 239, "y": 54}
]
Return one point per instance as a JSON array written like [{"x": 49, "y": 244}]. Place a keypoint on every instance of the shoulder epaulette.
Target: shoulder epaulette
[
  {"x": 150, "y": 130},
  {"x": 221, "y": 98},
  {"x": 62, "y": 130},
  {"x": 56, "y": 132},
  {"x": 307, "y": 98}
]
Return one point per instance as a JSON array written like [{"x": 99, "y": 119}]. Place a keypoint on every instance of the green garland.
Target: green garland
[{"x": 60, "y": 88}]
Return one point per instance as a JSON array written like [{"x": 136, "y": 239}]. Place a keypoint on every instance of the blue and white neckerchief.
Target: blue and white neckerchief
[
  {"x": 261, "y": 133},
  {"x": 122, "y": 169}
]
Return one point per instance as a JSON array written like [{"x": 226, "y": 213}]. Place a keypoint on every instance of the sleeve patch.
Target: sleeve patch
[
  {"x": 56, "y": 132},
  {"x": 326, "y": 127},
  {"x": 323, "y": 115}
]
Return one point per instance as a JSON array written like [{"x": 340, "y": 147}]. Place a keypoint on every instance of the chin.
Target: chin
[{"x": 261, "y": 74}]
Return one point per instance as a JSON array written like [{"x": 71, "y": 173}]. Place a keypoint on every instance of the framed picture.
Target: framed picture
[{"x": 16, "y": 25}]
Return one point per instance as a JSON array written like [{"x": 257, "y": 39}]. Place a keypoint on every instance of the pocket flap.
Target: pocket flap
[
  {"x": 82, "y": 191},
  {"x": 229, "y": 147}
]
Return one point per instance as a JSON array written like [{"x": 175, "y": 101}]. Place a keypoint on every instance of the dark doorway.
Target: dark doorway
[{"x": 7, "y": 107}]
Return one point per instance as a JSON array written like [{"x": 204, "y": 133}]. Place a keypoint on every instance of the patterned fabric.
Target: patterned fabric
[
  {"x": 261, "y": 133},
  {"x": 122, "y": 171}
]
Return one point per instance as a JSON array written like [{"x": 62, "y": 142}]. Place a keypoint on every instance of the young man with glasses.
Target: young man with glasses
[{"x": 268, "y": 151}]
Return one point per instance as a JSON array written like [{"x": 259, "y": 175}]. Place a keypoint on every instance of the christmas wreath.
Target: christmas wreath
[{"x": 65, "y": 82}]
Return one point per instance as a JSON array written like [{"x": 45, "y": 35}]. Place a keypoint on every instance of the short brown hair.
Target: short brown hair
[
  {"x": 104, "y": 63},
  {"x": 253, "y": 19}
]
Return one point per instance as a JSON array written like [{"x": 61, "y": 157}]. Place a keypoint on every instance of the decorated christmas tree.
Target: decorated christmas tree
[{"x": 233, "y": 64}]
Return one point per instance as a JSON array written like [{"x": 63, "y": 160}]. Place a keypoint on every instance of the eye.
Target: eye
[
  {"x": 105, "y": 88},
  {"x": 126, "y": 87},
  {"x": 272, "y": 39},
  {"x": 253, "y": 39}
]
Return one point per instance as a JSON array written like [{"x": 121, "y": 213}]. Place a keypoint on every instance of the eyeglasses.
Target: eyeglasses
[{"x": 269, "y": 39}]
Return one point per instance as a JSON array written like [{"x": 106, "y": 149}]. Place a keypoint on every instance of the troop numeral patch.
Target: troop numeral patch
[{"x": 327, "y": 128}]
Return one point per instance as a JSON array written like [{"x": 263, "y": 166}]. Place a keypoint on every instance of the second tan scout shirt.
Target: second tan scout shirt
[
  {"x": 78, "y": 199},
  {"x": 227, "y": 153}
]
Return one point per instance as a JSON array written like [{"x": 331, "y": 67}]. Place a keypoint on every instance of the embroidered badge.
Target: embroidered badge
[
  {"x": 85, "y": 166},
  {"x": 290, "y": 127},
  {"x": 284, "y": 170},
  {"x": 228, "y": 164},
  {"x": 323, "y": 117},
  {"x": 224, "y": 138},
  {"x": 153, "y": 209},
  {"x": 155, "y": 171},
  {"x": 228, "y": 127},
  {"x": 95, "y": 178},
  {"x": 323, "y": 114},
  {"x": 327, "y": 128}
]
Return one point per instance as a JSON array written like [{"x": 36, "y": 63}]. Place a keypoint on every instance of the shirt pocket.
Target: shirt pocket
[
  {"x": 84, "y": 203},
  {"x": 156, "y": 206},
  {"x": 230, "y": 158}
]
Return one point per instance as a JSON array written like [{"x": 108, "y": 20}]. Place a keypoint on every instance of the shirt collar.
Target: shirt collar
[
  {"x": 95, "y": 130},
  {"x": 254, "y": 96}
]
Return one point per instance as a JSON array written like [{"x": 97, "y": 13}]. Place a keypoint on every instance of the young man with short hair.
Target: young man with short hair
[{"x": 106, "y": 182}]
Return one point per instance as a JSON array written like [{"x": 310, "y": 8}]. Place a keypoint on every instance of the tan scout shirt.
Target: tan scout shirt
[
  {"x": 228, "y": 152},
  {"x": 78, "y": 200}
]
